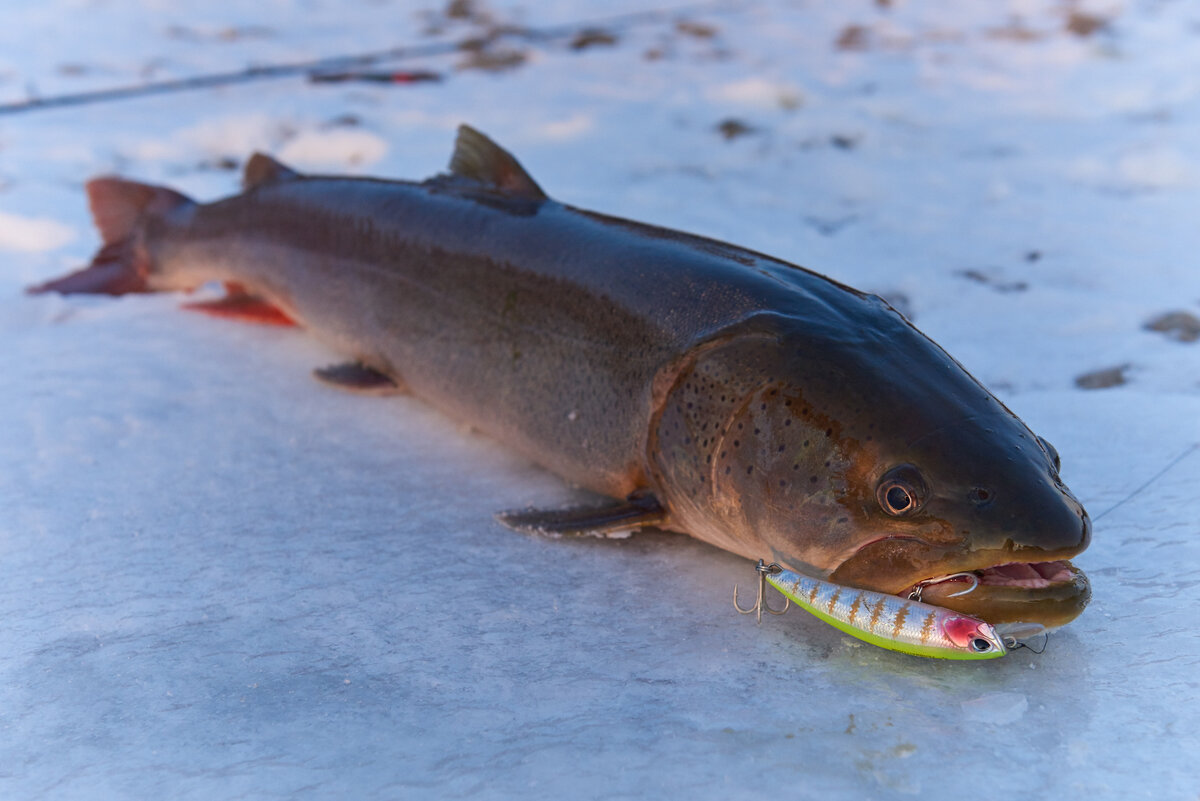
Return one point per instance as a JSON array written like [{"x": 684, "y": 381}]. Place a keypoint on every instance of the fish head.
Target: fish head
[
  {"x": 874, "y": 461},
  {"x": 974, "y": 517}
]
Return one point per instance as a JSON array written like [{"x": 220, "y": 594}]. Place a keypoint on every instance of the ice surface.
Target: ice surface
[{"x": 219, "y": 579}]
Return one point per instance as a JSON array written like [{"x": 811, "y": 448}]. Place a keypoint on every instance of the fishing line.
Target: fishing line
[
  {"x": 1014, "y": 644},
  {"x": 1149, "y": 481},
  {"x": 315, "y": 67}
]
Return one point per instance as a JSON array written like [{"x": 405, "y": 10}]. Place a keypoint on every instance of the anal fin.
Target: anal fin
[
  {"x": 238, "y": 304},
  {"x": 637, "y": 511},
  {"x": 357, "y": 377}
]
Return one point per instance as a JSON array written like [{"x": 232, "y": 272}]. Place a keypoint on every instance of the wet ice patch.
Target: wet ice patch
[{"x": 32, "y": 234}]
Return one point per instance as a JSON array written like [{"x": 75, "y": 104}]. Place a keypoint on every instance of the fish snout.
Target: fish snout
[
  {"x": 1058, "y": 528},
  {"x": 1076, "y": 532}
]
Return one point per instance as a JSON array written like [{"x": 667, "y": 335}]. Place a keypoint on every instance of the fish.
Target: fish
[
  {"x": 897, "y": 624},
  {"x": 694, "y": 385}
]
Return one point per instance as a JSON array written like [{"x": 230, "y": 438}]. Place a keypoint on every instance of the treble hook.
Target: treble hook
[
  {"x": 915, "y": 595},
  {"x": 760, "y": 603}
]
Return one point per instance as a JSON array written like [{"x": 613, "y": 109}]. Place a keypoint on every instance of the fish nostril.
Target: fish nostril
[{"x": 980, "y": 496}]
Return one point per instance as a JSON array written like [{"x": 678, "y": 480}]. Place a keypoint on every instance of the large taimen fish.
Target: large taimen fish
[{"x": 750, "y": 403}]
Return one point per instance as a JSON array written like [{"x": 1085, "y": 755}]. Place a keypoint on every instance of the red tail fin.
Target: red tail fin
[{"x": 121, "y": 265}]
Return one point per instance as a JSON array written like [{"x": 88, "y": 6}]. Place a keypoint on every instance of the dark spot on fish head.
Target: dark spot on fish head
[{"x": 980, "y": 496}]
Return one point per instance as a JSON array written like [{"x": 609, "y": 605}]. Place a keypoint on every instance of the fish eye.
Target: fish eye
[
  {"x": 901, "y": 491},
  {"x": 1052, "y": 452},
  {"x": 898, "y": 498},
  {"x": 980, "y": 645}
]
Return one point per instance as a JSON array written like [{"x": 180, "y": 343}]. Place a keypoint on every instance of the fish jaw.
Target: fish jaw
[
  {"x": 1051, "y": 593},
  {"x": 1026, "y": 585}
]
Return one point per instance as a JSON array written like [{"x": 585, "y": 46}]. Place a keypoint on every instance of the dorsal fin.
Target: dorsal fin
[
  {"x": 262, "y": 170},
  {"x": 481, "y": 159}
]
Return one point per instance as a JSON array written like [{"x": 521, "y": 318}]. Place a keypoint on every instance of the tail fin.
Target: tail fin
[{"x": 122, "y": 264}]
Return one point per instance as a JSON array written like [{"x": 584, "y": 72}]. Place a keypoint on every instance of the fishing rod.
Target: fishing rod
[{"x": 337, "y": 66}]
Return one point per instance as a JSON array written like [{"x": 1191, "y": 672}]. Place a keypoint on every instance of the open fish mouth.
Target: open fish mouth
[{"x": 1050, "y": 593}]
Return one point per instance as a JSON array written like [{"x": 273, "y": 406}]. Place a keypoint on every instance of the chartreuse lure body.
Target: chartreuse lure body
[{"x": 890, "y": 621}]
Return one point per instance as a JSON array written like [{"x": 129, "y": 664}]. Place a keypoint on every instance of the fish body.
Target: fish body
[
  {"x": 891, "y": 622},
  {"x": 709, "y": 389}
]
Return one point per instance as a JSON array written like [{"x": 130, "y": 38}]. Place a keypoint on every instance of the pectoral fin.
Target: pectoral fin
[
  {"x": 637, "y": 511},
  {"x": 357, "y": 377}
]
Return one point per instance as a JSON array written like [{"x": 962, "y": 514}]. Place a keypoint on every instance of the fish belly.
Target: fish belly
[{"x": 460, "y": 302}]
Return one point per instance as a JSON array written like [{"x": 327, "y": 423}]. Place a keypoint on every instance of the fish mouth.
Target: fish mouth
[{"x": 1051, "y": 593}]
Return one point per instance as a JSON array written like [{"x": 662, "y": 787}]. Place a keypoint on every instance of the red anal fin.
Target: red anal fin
[{"x": 240, "y": 305}]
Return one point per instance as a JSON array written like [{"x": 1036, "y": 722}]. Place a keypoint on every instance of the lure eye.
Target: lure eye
[
  {"x": 981, "y": 646},
  {"x": 1052, "y": 452},
  {"x": 901, "y": 491}
]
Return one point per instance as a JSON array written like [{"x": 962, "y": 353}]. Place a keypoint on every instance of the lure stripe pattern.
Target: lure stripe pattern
[
  {"x": 927, "y": 627},
  {"x": 899, "y": 624},
  {"x": 890, "y": 621},
  {"x": 854, "y": 607}
]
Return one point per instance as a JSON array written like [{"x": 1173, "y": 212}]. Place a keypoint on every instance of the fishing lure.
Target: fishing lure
[{"x": 891, "y": 622}]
